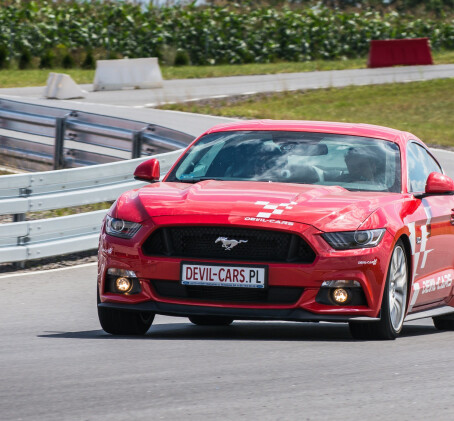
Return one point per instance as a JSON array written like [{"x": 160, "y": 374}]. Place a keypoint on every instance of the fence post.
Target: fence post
[
  {"x": 60, "y": 128},
  {"x": 59, "y": 161},
  {"x": 19, "y": 218},
  {"x": 137, "y": 142}
]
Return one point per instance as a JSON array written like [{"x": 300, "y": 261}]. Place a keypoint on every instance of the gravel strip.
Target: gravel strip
[{"x": 73, "y": 259}]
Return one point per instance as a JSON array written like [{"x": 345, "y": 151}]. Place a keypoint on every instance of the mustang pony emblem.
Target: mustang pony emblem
[{"x": 229, "y": 244}]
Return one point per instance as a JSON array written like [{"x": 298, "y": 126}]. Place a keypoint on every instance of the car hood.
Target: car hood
[{"x": 327, "y": 208}]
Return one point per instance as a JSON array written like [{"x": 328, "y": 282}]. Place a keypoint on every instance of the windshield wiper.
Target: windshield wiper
[{"x": 197, "y": 179}]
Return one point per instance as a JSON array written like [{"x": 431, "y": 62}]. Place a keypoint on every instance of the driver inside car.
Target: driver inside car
[
  {"x": 256, "y": 160},
  {"x": 362, "y": 166}
]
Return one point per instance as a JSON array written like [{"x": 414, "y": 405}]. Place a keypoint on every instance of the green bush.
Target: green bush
[
  {"x": 89, "y": 61},
  {"x": 166, "y": 55},
  {"x": 47, "y": 60},
  {"x": 68, "y": 61},
  {"x": 3, "y": 57},
  {"x": 25, "y": 60},
  {"x": 181, "y": 58}
]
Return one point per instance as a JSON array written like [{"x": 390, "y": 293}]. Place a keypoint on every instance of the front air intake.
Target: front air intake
[{"x": 254, "y": 245}]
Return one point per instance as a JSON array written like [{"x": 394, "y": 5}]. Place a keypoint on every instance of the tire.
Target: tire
[
  {"x": 122, "y": 322},
  {"x": 211, "y": 320},
  {"x": 444, "y": 322},
  {"x": 394, "y": 302}
]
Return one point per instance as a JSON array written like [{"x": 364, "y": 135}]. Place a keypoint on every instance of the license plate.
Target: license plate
[{"x": 246, "y": 276}]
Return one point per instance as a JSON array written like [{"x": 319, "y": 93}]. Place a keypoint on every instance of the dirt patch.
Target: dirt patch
[{"x": 56, "y": 262}]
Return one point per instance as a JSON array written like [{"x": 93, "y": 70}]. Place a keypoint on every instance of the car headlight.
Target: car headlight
[
  {"x": 121, "y": 228},
  {"x": 354, "y": 239}
]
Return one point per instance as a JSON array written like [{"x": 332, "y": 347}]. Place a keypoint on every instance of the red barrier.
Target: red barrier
[{"x": 392, "y": 52}]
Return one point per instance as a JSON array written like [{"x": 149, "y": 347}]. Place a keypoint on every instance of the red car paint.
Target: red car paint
[{"x": 314, "y": 210}]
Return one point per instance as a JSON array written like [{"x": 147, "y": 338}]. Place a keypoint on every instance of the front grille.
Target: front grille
[
  {"x": 271, "y": 295},
  {"x": 200, "y": 242}
]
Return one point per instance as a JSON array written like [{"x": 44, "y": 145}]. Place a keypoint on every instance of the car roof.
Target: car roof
[{"x": 352, "y": 129}]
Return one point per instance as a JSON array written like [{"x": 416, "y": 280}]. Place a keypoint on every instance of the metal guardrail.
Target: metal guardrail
[
  {"x": 37, "y": 137},
  {"x": 25, "y": 240}
]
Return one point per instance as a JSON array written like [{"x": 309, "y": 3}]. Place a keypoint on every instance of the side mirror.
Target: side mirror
[
  {"x": 438, "y": 184},
  {"x": 148, "y": 171}
]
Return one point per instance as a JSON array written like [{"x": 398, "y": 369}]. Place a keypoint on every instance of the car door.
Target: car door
[{"x": 431, "y": 233}]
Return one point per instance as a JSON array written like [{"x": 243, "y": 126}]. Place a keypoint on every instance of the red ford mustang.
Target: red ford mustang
[{"x": 284, "y": 220}]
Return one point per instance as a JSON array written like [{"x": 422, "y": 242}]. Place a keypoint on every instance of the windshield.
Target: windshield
[{"x": 355, "y": 163}]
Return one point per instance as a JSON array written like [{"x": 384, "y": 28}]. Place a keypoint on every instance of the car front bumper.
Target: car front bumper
[{"x": 368, "y": 267}]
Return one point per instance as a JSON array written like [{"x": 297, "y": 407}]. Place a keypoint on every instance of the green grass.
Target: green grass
[
  {"x": 191, "y": 72},
  {"x": 13, "y": 78},
  {"x": 188, "y": 72},
  {"x": 423, "y": 108},
  {"x": 10, "y": 78},
  {"x": 54, "y": 213}
]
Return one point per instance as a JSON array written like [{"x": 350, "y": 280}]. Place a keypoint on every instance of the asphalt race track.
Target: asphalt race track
[{"x": 57, "y": 364}]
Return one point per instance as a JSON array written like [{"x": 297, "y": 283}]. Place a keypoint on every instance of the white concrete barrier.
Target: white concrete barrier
[
  {"x": 62, "y": 86},
  {"x": 112, "y": 75}
]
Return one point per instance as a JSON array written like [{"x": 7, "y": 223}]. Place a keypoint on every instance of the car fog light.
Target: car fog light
[
  {"x": 340, "y": 295},
  {"x": 123, "y": 284}
]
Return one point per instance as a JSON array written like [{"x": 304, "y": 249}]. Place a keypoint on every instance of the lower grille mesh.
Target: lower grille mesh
[
  {"x": 205, "y": 242},
  {"x": 272, "y": 295}
]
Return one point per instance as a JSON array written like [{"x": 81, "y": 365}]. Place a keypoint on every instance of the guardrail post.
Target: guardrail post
[
  {"x": 23, "y": 192},
  {"x": 19, "y": 218},
  {"x": 136, "y": 151},
  {"x": 60, "y": 128},
  {"x": 59, "y": 161},
  {"x": 21, "y": 241}
]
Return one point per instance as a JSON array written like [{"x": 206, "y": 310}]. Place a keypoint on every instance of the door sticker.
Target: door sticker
[{"x": 421, "y": 242}]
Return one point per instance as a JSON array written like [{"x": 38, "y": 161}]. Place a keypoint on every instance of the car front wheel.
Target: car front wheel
[
  {"x": 394, "y": 301},
  {"x": 119, "y": 322},
  {"x": 123, "y": 322}
]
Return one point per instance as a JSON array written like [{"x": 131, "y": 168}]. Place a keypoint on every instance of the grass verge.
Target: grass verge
[
  {"x": 423, "y": 108},
  {"x": 10, "y": 78},
  {"x": 54, "y": 213}
]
